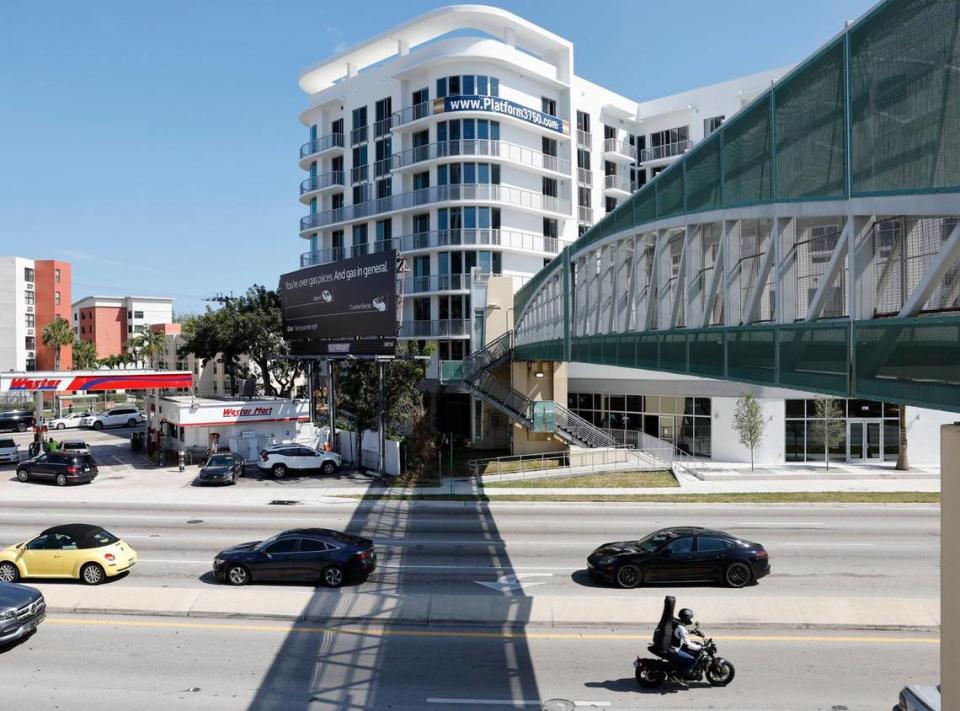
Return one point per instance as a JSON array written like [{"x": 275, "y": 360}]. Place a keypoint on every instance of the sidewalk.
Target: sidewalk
[{"x": 736, "y": 608}]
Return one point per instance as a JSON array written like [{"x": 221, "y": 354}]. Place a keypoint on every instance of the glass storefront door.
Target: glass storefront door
[{"x": 864, "y": 440}]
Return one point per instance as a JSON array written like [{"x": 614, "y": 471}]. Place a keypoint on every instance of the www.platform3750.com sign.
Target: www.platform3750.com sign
[{"x": 501, "y": 106}]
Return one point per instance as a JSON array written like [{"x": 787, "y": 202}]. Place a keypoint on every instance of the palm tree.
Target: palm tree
[
  {"x": 148, "y": 344},
  {"x": 84, "y": 355},
  {"x": 57, "y": 334}
]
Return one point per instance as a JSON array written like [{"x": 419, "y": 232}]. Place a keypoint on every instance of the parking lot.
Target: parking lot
[{"x": 119, "y": 466}]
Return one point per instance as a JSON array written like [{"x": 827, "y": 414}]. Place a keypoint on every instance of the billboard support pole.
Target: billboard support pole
[
  {"x": 381, "y": 434},
  {"x": 312, "y": 389},
  {"x": 331, "y": 403}
]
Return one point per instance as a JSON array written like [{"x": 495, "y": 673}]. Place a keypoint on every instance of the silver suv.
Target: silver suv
[
  {"x": 117, "y": 417},
  {"x": 22, "y": 609}
]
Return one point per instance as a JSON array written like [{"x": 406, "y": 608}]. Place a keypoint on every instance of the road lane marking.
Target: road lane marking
[
  {"x": 779, "y": 523},
  {"x": 513, "y": 703},
  {"x": 472, "y": 634}
]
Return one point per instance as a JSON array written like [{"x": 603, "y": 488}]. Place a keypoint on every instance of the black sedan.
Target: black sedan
[
  {"x": 221, "y": 468},
  {"x": 688, "y": 554},
  {"x": 303, "y": 554}
]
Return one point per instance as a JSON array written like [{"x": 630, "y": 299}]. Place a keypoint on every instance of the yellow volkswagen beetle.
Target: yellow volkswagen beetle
[{"x": 76, "y": 550}]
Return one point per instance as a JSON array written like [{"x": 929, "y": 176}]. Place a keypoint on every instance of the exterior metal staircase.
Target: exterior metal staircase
[{"x": 536, "y": 415}]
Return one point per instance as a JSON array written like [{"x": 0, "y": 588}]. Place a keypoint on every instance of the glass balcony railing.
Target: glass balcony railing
[
  {"x": 584, "y": 177},
  {"x": 358, "y": 135},
  {"x": 411, "y": 113},
  {"x": 383, "y": 167},
  {"x": 319, "y": 145},
  {"x": 451, "y": 370},
  {"x": 444, "y": 328},
  {"x": 321, "y": 256},
  {"x": 616, "y": 182},
  {"x": 518, "y": 197},
  {"x": 319, "y": 182},
  {"x": 620, "y": 148},
  {"x": 473, "y": 237},
  {"x": 585, "y": 215},
  {"x": 359, "y": 173},
  {"x": 667, "y": 150},
  {"x": 382, "y": 127},
  {"x": 436, "y": 282},
  {"x": 481, "y": 147},
  {"x": 584, "y": 139}
]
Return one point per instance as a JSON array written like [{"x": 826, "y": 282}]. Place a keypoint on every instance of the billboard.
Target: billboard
[{"x": 348, "y": 306}]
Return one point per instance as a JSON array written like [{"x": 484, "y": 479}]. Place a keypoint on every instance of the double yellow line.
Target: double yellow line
[{"x": 469, "y": 634}]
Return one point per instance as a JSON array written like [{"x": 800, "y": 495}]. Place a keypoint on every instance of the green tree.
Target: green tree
[
  {"x": 748, "y": 423},
  {"x": 830, "y": 425},
  {"x": 260, "y": 317},
  {"x": 216, "y": 335},
  {"x": 84, "y": 355},
  {"x": 146, "y": 345},
  {"x": 56, "y": 335}
]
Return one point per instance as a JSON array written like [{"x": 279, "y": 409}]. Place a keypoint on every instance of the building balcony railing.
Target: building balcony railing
[
  {"x": 620, "y": 148},
  {"x": 319, "y": 182},
  {"x": 481, "y": 147},
  {"x": 383, "y": 126},
  {"x": 383, "y": 167},
  {"x": 319, "y": 145},
  {"x": 321, "y": 256},
  {"x": 667, "y": 150},
  {"x": 584, "y": 139},
  {"x": 584, "y": 177},
  {"x": 585, "y": 215},
  {"x": 444, "y": 328},
  {"x": 358, "y": 135},
  {"x": 412, "y": 113},
  {"x": 436, "y": 282},
  {"x": 618, "y": 183},
  {"x": 518, "y": 197},
  {"x": 473, "y": 237},
  {"x": 359, "y": 173}
]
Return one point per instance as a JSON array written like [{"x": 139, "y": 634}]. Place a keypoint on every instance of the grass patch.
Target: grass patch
[
  {"x": 612, "y": 480},
  {"x": 813, "y": 497}
]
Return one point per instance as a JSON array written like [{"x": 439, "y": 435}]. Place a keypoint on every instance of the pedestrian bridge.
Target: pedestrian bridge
[{"x": 811, "y": 242}]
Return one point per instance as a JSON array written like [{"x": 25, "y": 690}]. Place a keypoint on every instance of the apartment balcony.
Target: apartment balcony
[
  {"x": 584, "y": 215},
  {"x": 359, "y": 173},
  {"x": 358, "y": 135},
  {"x": 484, "y": 148},
  {"x": 667, "y": 150},
  {"x": 321, "y": 183},
  {"x": 617, "y": 186},
  {"x": 321, "y": 256},
  {"x": 584, "y": 139},
  {"x": 411, "y": 113},
  {"x": 584, "y": 177},
  {"x": 382, "y": 127},
  {"x": 383, "y": 167},
  {"x": 507, "y": 195},
  {"x": 615, "y": 149},
  {"x": 444, "y": 328},
  {"x": 506, "y": 239},
  {"x": 311, "y": 150},
  {"x": 435, "y": 283}
]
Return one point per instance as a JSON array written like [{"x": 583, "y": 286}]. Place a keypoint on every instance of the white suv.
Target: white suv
[
  {"x": 117, "y": 417},
  {"x": 280, "y": 459},
  {"x": 9, "y": 453}
]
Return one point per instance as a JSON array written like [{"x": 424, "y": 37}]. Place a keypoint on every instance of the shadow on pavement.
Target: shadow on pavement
[{"x": 355, "y": 668}]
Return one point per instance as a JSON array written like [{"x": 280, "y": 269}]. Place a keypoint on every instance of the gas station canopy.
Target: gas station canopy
[{"x": 95, "y": 380}]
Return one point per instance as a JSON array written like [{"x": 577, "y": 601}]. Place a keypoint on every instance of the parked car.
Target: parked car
[
  {"x": 280, "y": 459},
  {"x": 19, "y": 420},
  {"x": 9, "y": 452},
  {"x": 221, "y": 468},
  {"x": 61, "y": 467},
  {"x": 303, "y": 554},
  {"x": 685, "y": 554},
  {"x": 74, "y": 445},
  {"x": 74, "y": 419},
  {"x": 919, "y": 698},
  {"x": 117, "y": 417},
  {"x": 81, "y": 551},
  {"x": 22, "y": 609}
]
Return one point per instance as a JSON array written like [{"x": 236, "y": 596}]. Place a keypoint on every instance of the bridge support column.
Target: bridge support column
[{"x": 950, "y": 564}]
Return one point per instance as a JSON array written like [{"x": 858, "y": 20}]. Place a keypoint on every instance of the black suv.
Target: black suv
[
  {"x": 62, "y": 467},
  {"x": 19, "y": 420}
]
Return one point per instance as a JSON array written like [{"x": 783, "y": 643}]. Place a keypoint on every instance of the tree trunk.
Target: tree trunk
[
  {"x": 56, "y": 358},
  {"x": 751, "y": 459},
  {"x": 265, "y": 376},
  {"x": 903, "y": 464},
  {"x": 826, "y": 447}
]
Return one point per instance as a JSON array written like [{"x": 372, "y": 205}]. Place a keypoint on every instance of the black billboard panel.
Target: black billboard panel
[{"x": 341, "y": 301}]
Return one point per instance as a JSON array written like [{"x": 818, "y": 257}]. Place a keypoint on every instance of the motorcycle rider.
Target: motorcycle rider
[{"x": 683, "y": 650}]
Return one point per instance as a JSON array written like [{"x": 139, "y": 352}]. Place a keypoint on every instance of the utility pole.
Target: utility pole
[
  {"x": 381, "y": 434},
  {"x": 331, "y": 402}
]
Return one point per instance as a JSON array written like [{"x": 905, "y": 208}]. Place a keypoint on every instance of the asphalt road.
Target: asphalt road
[
  {"x": 849, "y": 551},
  {"x": 162, "y": 663}
]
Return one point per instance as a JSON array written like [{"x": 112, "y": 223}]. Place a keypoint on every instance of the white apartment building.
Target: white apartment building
[
  {"x": 477, "y": 154},
  {"x": 17, "y": 306}
]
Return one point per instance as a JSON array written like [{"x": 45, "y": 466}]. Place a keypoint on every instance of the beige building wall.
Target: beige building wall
[
  {"x": 552, "y": 386},
  {"x": 950, "y": 564}
]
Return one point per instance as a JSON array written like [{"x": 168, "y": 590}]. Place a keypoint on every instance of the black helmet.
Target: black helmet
[{"x": 686, "y": 615}]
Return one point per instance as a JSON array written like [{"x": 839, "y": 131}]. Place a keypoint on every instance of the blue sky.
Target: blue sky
[{"x": 155, "y": 144}]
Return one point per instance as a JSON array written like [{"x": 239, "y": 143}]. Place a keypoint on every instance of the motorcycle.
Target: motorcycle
[{"x": 653, "y": 673}]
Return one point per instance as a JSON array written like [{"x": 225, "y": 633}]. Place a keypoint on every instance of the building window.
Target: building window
[
  {"x": 610, "y": 204},
  {"x": 548, "y": 105},
  {"x": 129, "y": 329},
  {"x": 56, "y": 298},
  {"x": 359, "y": 239},
  {"x": 30, "y": 343},
  {"x": 421, "y": 181},
  {"x": 873, "y": 425},
  {"x": 138, "y": 314},
  {"x": 549, "y": 187},
  {"x": 583, "y": 121},
  {"x": 384, "y": 235},
  {"x": 383, "y": 110},
  {"x": 31, "y": 364},
  {"x": 28, "y": 274},
  {"x": 583, "y": 159},
  {"x": 609, "y": 132},
  {"x": 384, "y": 188},
  {"x": 56, "y": 276},
  {"x": 29, "y": 298},
  {"x": 336, "y": 244},
  {"x": 712, "y": 124},
  {"x": 361, "y": 193},
  {"x": 30, "y": 320}
]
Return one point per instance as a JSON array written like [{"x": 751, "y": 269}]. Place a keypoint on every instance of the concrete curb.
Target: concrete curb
[{"x": 326, "y": 607}]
